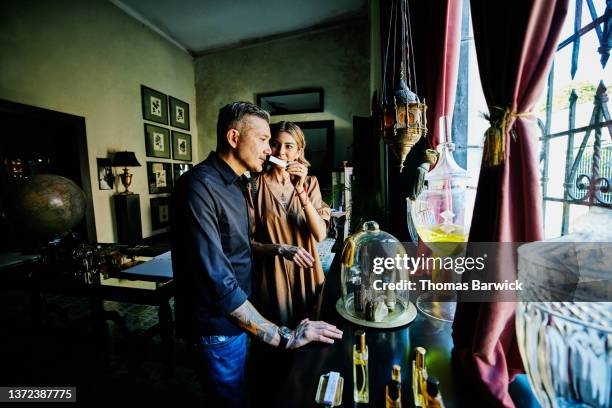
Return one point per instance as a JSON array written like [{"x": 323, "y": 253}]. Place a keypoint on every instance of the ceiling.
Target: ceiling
[{"x": 204, "y": 25}]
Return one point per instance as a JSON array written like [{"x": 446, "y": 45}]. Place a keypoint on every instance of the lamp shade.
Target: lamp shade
[{"x": 125, "y": 159}]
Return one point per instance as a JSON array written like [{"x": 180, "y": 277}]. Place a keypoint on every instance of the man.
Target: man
[{"x": 211, "y": 258}]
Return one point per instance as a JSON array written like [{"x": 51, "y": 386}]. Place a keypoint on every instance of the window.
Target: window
[
  {"x": 469, "y": 123},
  {"x": 576, "y": 149}
]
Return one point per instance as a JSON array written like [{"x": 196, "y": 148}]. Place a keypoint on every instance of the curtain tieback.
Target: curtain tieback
[{"x": 500, "y": 120}]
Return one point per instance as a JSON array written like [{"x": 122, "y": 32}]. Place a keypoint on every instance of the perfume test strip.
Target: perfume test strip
[{"x": 277, "y": 161}]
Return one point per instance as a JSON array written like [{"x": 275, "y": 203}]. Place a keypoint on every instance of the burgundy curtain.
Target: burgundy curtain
[
  {"x": 442, "y": 35},
  {"x": 444, "y": 63},
  {"x": 515, "y": 45},
  {"x": 436, "y": 31}
]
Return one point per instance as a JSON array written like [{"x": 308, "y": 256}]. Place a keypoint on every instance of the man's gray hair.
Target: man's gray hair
[{"x": 233, "y": 116}]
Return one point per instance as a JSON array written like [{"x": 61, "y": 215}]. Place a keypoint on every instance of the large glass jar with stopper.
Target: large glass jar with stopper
[
  {"x": 374, "y": 294},
  {"x": 442, "y": 214},
  {"x": 443, "y": 210}
]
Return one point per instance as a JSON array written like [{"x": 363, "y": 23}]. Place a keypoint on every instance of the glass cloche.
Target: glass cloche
[{"x": 374, "y": 294}]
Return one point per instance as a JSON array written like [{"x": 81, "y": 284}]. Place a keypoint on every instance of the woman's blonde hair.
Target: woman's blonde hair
[{"x": 295, "y": 132}]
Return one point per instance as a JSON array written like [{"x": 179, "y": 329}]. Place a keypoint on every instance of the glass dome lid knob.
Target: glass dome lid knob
[{"x": 370, "y": 226}]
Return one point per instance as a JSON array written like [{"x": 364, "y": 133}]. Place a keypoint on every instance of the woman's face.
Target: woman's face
[{"x": 285, "y": 147}]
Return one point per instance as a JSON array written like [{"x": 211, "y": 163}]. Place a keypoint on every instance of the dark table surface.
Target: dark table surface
[
  {"x": 291, "y": 379},
  {"x": 298, "y": 375},
  {"x": 146, "y": 283},
  {"x": 157, "y": 269},
  {"x": 9, "y": 260}
]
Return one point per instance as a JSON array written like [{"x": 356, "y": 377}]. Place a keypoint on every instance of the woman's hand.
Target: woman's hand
[
  {"x": 298, "y": 172},
  {"x": 299, "y": 255},
  {"x": 308, "y": 331}
]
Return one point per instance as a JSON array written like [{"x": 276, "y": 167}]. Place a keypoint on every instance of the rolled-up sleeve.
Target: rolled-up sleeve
[
  {"x": 211, "y": 265},
  {"x": 314, "y": 194}
]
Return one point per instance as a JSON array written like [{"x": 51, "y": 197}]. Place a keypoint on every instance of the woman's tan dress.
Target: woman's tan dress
[{"x": 282, "y": 291}]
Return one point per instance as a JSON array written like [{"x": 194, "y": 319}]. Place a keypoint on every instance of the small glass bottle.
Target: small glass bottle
[
  {"x": 419, "y": 378},
  {"x": 358, "y": 294},
  {"x": 396, "y": 373},
  {"x": 393, "y": 397},
  {"x": 434, "y": 399},
  {"x": 361, "y": 391}
]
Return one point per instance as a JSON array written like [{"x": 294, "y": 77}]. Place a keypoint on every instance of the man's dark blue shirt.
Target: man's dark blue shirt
[{"x": 211, "y": 251}]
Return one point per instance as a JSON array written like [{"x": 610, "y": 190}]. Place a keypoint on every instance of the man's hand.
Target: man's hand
[
  {"x": 248, "y": 318},
  {"x": 308, "y": 331},
  {"x": 299, "y": 255}
]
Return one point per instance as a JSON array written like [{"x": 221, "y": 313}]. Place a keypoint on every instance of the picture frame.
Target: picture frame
[
  {"x": 157, "y": 141},
  {"x": 160, "y": 212},
  {"x": 178, "y": 169},
  {"x": 159, "y": 177},
  {"x": 106, "y": 178},
  {"x": 181, "y": 146},
  {"x": 154, "y": 105},
  {"x": 179, "y": 113},
  {"x": 297, "y": 101}
]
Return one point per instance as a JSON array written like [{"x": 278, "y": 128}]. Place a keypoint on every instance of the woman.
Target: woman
[{"x": 290, "y": 217}]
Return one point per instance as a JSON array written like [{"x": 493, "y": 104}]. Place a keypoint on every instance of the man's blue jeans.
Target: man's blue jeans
[{"x": 220, "y": 364}]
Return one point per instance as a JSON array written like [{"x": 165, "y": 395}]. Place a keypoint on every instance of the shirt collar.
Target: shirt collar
[{"x": 227, "y": 173}]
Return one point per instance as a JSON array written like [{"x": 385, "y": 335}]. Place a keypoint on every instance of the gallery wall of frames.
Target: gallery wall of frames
[{"x": 168, "y": 149}]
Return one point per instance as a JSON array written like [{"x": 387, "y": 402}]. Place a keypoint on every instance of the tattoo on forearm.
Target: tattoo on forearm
[
  {"x": 264, "y": 249},
  {"x": 249, "y": 319}
]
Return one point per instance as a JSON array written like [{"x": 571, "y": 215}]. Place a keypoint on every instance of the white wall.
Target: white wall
[
  {"x": 337, "y": 60},
  {"x": 88, "y": 58}
]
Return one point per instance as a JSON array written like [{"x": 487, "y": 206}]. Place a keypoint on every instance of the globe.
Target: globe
[{"x": 45, "y": 204}]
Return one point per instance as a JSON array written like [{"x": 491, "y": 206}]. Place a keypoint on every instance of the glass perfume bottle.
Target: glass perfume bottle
[
  {"x": 433, "y": 397},
  {"x": 393, "y": 395},
  {"x": 419, "y": 378},
  {"x": 361, "y": 391},
  {"x": 396, "y": 373},
  {"x": 358, "y": 294}
]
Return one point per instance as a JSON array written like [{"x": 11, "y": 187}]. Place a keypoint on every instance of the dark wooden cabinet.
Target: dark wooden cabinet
[{"x": 127, "y": 215}]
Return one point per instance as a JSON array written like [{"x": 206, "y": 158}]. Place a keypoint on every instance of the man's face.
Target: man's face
[{"x": 254, "y": 145}]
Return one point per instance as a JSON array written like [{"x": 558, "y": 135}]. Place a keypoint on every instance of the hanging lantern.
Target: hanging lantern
[
  {"x": 403, "y": 115},
  {"x": 404, "y": 122}
]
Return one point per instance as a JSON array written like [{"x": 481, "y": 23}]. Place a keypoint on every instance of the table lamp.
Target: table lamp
[{"x": 125, "y": 159}]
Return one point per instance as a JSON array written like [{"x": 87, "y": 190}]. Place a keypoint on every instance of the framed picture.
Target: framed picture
[
  {"x": 292, "y": 102},
  {"x": 106, "y": 178},
  {"x": 178, "y": 169},
  {"x": 181, "y": 146},
  {"x": 157, "y": 141},
  {"x": 159, "y": 177},
  {"x": 160, "y": 212},
  {"x": 179, "y": 113},
  {"x": 154, "y": 105}
]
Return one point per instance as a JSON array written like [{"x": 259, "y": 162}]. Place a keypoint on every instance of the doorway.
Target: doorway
[
  {"x": 41, "y": 141},
  {"x": 320, "y": 151}
]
